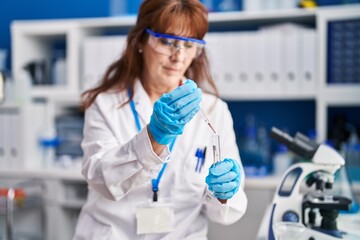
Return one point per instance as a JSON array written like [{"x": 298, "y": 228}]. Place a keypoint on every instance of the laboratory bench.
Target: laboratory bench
[{"x": 65, "y": 192}]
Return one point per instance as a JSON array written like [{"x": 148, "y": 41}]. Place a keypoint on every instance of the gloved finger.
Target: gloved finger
[
  {"x": 227, "y": 195},
  {"x": 183, "y": 115},
  {"x": 189, "y": 107},
  {"x": 166, "y": 125},
  {"x": 227, "y": 177},
  {"x": 236, "y": 167},
  {"x": 186, "y": 118},
  {"x": 221, "y": 167},
  {"x": 223, "y": 187},
  {"x": 162, "y": 118},
  {"x": 186, "y": 111},
  {"x": 187, "y": 99},
  {"x": 189, "y": 116},
  {"x": 163, "y": 113},
  {"x": 179, "y": 92}
]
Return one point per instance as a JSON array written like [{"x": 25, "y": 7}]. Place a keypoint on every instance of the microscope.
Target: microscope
[{"x": 303, "y": 195}]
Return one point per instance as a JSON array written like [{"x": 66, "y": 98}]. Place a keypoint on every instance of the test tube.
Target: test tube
[{"x": 216, "y": 147}]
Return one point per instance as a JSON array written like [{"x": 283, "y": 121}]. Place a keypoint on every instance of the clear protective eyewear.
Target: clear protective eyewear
[{"x": 169, "y": 44}]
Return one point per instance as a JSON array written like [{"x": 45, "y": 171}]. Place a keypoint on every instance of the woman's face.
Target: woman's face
[{"x": 163, "y": 69}]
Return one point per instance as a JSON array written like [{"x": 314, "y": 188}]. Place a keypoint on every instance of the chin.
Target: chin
[{"x": 173, "y": 78}]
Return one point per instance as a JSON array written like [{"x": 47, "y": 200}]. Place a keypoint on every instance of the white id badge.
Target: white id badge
[{"x": 155, "y": 217}]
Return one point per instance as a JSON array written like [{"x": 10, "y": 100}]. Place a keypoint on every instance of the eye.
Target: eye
[
  {"x": 189, "y": 45},
  {"x": 166, "y": 42}
]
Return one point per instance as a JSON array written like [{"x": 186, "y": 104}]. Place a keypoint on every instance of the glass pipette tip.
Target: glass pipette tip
[{"x": 207, "y": 120}]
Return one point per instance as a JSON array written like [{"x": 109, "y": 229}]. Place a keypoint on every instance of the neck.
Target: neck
[{"x": 156, "y": 89}]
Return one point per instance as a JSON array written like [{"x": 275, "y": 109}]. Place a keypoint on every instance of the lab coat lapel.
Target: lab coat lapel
[{"x": 143, "y": 104}]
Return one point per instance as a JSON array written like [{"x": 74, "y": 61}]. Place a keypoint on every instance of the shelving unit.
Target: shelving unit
[
  {"x": 63, "y": 194},
  {"x": 20, "y": 203},
  {"x": 332, "y": 94},
  {"x": 32, "y": 40}
]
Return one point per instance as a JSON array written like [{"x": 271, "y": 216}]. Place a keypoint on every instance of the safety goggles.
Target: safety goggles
[{"x": 170, "y": 44}]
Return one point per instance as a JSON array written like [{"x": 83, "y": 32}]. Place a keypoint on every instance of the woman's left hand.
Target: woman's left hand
[{"x": 223, "y": 179}]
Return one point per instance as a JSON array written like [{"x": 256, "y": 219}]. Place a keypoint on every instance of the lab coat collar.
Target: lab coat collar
[{"x": 142, "y": 103}]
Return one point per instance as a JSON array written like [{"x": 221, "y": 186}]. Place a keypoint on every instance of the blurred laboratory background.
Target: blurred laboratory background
[{"x": 290, "y": 64}]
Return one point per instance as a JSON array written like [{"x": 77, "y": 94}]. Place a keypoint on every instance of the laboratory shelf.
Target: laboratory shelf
[
  {"x": 53, "y": 91},
  {"x": 260, "y": 96},
  {"x": 25, "y": 202},
  {"x": 66, "y": 189},
  {"x": 22, "y": 236},
  {"x": 342, "y": 94},
  {"x": 270, "y": 15},
  {"x": 116, "y": 21},
  {"x": 72, "y": 177},
  {"x": 28, "y": 203},
  {"x": 53, "y": 174},
  {"x": 72, "y": 204}
]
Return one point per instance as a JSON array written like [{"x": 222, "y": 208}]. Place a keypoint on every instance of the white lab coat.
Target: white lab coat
[{"x": 119, "y": 164}]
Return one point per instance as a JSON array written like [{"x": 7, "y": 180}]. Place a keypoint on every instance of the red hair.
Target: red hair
[{"x": 162, "y": 16}]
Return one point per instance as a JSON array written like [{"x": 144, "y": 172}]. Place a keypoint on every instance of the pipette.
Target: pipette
[
  {"x": 215, "y": 137},
  {"x": 204, "y": 117}
]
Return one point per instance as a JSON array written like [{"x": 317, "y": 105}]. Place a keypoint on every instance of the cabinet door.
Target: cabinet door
[
  {"x": 246, "y": 228},
  {"x": 22, "y": 217}
]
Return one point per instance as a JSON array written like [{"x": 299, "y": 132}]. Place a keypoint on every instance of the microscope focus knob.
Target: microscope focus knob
[
  {"x": 290, "y": 216},
  {"x": 329, "y": 185}
]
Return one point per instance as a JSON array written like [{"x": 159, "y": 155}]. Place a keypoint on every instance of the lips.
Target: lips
[{"x": 172, "y": 69}]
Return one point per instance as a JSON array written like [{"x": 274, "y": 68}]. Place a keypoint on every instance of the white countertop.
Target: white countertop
[
  {"x": 49, "y": 173},
  {"x": 266, "y": 182}
]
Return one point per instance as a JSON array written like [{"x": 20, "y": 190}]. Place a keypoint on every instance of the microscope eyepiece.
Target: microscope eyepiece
[{"x": 301, "y": 145}]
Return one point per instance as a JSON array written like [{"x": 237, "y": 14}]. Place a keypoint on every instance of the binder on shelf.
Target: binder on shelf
[
  {"x": 243, "y": 50},
  {"x": 290, "y": 37},
  {"x": 241, "y": 62},
  {"x": 214, "y": 53},
  {"x": 274, "y": 61},
  {"x": 3, "y": 134},
  {"x": 307, "y": 73},
  {"x": 228, "y": 65},
  {"x": 99, "y": 52},
  {"x": 260, "y": 80},
  {"x": 90, "y": 72},
  {"x": 291, "y": 60},
  {"x": 14, "y": 139},
  {"x": 31, "y": 151},
  {"x": 7, "y": 136}
]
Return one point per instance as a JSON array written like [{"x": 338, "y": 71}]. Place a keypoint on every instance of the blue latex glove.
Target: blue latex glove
[
  {"x": 223, "y": 179},
  {"x": 173, "y": 111}
]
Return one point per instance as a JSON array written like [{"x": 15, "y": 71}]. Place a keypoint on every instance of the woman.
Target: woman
[{"x": 145, "y": 141}]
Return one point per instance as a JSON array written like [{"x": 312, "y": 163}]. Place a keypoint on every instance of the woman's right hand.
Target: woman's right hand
[{"x": 173, "y": 111}]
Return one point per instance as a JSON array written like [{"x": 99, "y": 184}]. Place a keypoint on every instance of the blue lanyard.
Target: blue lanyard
[{"x": 154, "y": 182}]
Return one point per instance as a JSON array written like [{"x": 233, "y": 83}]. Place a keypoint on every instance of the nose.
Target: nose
[
  {"x": 179, "y": 48},
  {"x": 178, "y": 54}
]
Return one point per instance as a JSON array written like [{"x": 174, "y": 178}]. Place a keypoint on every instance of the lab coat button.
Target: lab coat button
[{"x": 208, "y": 198}]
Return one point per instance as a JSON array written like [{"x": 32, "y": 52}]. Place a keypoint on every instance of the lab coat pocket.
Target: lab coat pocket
[
  {"x": 193, "y": 176},
  {"x": 191, "y": 183},
  {"x": 90, "y": 229}
]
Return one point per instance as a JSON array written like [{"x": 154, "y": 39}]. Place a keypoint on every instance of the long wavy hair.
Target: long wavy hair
[{"x": 158, "y": 15}]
